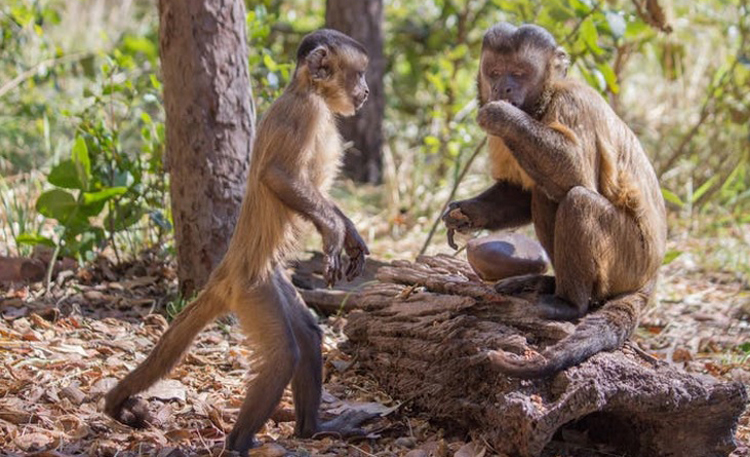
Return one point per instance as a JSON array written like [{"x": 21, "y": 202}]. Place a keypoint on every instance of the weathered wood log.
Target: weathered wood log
[
  {"x": 424, "y": 333},
  {"x": 307, "y": 276}
]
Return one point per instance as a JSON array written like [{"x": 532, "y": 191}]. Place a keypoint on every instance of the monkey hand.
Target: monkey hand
[
  {"x": 356, "y": 249},
  {"x": 333, "y": 244},
  {"x": 499, "y": 117},
  {"x": 463, "y": 217}
]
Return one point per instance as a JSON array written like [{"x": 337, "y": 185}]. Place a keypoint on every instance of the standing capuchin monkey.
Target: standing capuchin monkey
[
  {"x": 566, "y": 162},
  {"x": 295, "y": 158}
]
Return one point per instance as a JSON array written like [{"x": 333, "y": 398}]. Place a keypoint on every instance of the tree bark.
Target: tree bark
[
  {"x": 424, "y": 333},
  {"x": 210, "y": 127},
  {"x": 363, "y": 21}
]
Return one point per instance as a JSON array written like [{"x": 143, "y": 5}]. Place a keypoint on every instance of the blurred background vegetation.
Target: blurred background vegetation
[{"x": 82, "y": 123}]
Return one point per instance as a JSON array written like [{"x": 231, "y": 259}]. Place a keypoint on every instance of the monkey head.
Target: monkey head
[
  {"x": 518, "y": 64},
  {"x": 334, "y": 64}
]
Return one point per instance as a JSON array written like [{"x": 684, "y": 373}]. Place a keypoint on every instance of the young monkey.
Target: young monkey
[{"x": 296, "y": 155}]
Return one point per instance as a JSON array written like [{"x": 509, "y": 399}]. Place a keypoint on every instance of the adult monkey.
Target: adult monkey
[
  {"x": 565, "y": 161},
  {"x": 295, "y": 157}
]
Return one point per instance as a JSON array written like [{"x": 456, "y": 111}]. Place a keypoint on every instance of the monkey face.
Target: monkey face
[
  {"x": 519, "y": 80},
  {"x": 353, "y": 90},
  {"x": 517, "y": 64},
  {"x": 339, "y": 78}
]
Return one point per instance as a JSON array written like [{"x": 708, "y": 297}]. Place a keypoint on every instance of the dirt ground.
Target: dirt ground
[{"x": 62, "y": 350}]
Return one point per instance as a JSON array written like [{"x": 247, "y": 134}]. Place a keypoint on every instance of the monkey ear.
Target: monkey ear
[
  {"x": 319, "y": 63},
  {"x": 560, "y": 62}
]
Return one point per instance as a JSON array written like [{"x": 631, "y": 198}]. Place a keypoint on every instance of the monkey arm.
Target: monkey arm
[
  {"x": 306, "y": 200},
  {"x": 504, "y": 205},
  {"x": 552, "y": 157}
]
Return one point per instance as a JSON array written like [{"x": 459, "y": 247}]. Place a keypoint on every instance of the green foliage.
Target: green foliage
[
  {"x": 273, "y": 42},
  {"x": 110, "y": 179},
  {"x": 86, "y": 105},
  {"x": 434, "y": 48}
]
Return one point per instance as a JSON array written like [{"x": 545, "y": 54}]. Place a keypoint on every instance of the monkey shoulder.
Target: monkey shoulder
[{"x": 573, "y": 99}]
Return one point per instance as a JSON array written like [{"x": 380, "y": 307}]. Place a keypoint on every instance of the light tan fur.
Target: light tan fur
[
  {"x": 503, "y": 166},
  {"x": 296, "y": 155},
  {"x": 565, "y": 161}
]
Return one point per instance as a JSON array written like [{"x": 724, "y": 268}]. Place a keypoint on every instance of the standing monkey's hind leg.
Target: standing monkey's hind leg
[
  {"x": 307, "y": 381},
  {"x": 120, "y": 402},
  {"x": 263, "y": 312}
]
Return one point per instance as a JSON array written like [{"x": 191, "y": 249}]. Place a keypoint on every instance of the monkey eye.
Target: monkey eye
[{"x": 494, "y": 74}]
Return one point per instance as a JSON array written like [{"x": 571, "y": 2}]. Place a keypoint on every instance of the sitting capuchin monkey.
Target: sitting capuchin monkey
[
  {"x": 295, "y": 157},
  {"x": 565, "y": 162}
]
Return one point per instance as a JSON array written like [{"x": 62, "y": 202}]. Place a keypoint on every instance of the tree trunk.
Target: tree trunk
[
  {"x": 424, "y": 333},
  {"x": 210, "y": 127},
  {"x": 363, "y": 21}
]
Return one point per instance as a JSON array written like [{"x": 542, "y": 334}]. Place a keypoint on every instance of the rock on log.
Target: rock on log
[{"x": 424, "y": 331}]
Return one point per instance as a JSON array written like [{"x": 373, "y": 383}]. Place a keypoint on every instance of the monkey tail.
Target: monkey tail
[
  {"x": 605, "y": 329},
  {"x": 163, "y": 357}
]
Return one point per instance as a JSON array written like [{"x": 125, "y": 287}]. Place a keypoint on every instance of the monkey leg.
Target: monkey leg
[
  {"x": 531, "y": 283},
  {"x": 264, "y": 314},
  {"x": 307, "y": 381},
  {"x": 119, "y": 403},
  {"x": 598, "y": 252}
]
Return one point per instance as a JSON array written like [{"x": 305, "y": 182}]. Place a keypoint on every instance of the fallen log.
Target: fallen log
[
  {"x": 307, "y": 276},
  {"x": 424, "y": 331}
]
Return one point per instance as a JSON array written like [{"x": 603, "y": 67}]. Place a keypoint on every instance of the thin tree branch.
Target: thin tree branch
[
  {"x": 28, "y": 74},
  {"x": 452, "y": 194}
]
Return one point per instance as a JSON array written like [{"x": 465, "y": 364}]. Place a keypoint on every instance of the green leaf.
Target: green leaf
[
  {"x": 123, "y": 178},
  {"x": 140, "y": 44},
  {"x": 269, "y": 63},
  {"x": 80, "y": 156},
  {"x": 93, "y": 202},
  {"x": 124, "y": 216},
  {"x": 431, "y": 141},
  {"x": 89, "y": 69},
  {"x": 670, "y": 256},
  {"x": 159, "y": 219},
  {"x": 609, "y": 77},
  {"x": 103, "y": 195},
  {"x": 703, "y": 189},
  {"x": 65, "y": 175},
  {"x": 57, "y": 204},
  {"x": 34, "y": 239},
  {"x": 590, "y": 36},
  {"x": 671, "y": 197}
]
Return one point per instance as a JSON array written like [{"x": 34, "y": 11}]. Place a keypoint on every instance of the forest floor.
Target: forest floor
[{"x": 63, "y": 349}]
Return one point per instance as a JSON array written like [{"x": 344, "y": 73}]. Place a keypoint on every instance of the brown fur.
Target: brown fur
[
  {"x": 594, "y": 198},
  {"x": 296, "y": 155}
]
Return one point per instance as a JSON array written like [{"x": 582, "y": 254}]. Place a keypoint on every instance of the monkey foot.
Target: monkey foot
[
  {"x": 241, "y": 443},
  {"x": 516, "y": 285},
  {"x": 133, "y": 412},
  {"x": 556, "y": 308},
  {"x": 347, "y": 425}
]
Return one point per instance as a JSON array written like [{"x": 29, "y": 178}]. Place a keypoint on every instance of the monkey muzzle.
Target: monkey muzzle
[{"x": 360, "y": 101}]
